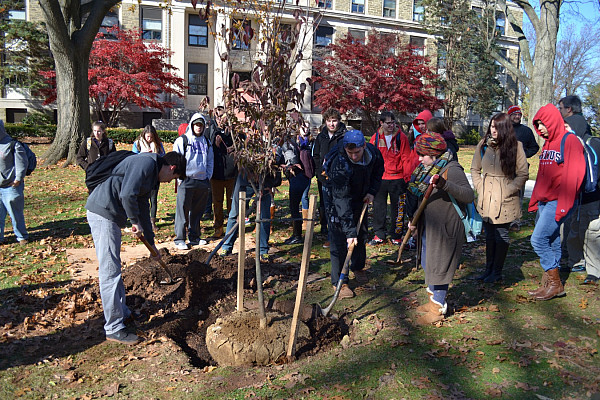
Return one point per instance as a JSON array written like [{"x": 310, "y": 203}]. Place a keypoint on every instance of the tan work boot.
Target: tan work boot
[
  {"x": 219, "y": 232},
  {"x": 345, "y": 292},
  {"x": 304, "y": 219},
  {"x": 542, "y": 286},
  {"x": 425, "y": 307},
  {"x": 435, "y": 313},
  {"x": 554, "y": 287}
]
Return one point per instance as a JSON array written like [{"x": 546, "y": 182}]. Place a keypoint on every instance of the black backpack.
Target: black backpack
[{"x": 102, "y": 169}]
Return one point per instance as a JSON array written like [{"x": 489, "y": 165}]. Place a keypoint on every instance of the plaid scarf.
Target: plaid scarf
[{"x": 420, "y": 178}]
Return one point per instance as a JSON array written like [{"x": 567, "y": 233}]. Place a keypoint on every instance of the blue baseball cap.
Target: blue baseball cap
[{"x": 354, "y": 137}]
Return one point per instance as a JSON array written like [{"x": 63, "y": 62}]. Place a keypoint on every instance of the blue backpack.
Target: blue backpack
[
  {"x": 591, "y": 151},
  {"x": 31, "y": 158},
  {"x": 472, "y": 220}
]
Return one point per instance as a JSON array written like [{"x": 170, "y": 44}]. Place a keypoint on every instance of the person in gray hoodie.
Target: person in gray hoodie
[
  {"x": 192, "y": 193},
  {"x": 13, "y": 165},
  {"x": 125, "y": 195}
]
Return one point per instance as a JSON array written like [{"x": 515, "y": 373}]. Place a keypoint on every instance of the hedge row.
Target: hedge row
[{"x": 116, "y": 134}]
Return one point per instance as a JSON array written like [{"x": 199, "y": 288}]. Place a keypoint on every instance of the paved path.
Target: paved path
[{"x": 528, "y": 186}]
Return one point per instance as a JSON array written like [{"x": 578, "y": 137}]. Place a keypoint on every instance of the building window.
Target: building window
[
  {"x": 245, "y": 76},
  {"x": 241, "y": 34},
  {"x": 197, "y": 78},
  {"x": 111, "y": 20},
  {"x": 323, "y": 36},
  {"x": 358, "y": 6},
  {"x": 197, "y": 31},
  {"x": 17, "y": 15},
  {"x": 151, "y": 23},
  {"x": 419, "y": 45},
  {"x": 442, "y": 57},
  {"x": 478, "y": 11},
  {"x": 357, "y": 35},
  {"x": 327, "y": 4},
  {"x": 504, "y": 54},
  {"x": 500, "y": 23},
  {"x": 389, "y": 8},
  {"x": 418, "y": 10}
]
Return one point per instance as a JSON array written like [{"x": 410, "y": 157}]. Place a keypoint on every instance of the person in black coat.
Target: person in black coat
[
  {"x": 98, "y": 144},
  {"x": 331, "y": 133},
  {"x": 353, "y": 172}
]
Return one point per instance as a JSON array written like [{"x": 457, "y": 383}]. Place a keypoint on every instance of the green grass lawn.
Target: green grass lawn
[
  {"x": 465, "y": 157},
  {"x": 495, "y": 343}
]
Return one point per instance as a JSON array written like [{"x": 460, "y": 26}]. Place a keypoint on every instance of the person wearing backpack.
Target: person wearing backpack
[
  {"x": 556, "y": 189},
  {"x": 98, "y": 144},
  {"x": 192, "y": 193},
  {"x": 440, "y": 231},
  {"x": 149, "y": 142},
  {"x": 13, "y": 168},
  {"x": 499, "y": 170},
  {"x": 124, "y": 195}
]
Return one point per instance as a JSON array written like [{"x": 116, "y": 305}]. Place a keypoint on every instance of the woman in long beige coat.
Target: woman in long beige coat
[{"x": 499, "y": 171}]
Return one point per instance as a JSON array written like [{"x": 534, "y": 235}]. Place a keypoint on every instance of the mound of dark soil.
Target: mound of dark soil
[{"x": 184, "y": 310}]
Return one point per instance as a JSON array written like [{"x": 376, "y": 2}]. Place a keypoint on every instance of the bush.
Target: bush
[
  {"x": 36, "y": 118},
  {"x": 22, "y": 130},
  {"x": 116, "y": 134},
  {"x": 130, "y": 135},
  {"x": 469, "y": 138}
]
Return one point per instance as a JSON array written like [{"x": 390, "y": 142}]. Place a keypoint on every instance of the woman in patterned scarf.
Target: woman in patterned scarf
[{"x": 440, "y": 231}]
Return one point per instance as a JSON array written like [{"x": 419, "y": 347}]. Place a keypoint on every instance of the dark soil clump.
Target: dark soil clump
[{"x": 184, "y": 310}]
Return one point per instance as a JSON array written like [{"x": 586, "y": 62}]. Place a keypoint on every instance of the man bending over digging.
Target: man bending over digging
[{"x": 125, "y": 195}]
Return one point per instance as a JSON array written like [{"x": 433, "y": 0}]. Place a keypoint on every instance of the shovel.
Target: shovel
[
  {"x": 345, "y": 268},
  {"x": 170, "y": 280},
  {"x": 227, "y": 235},
  {"x": 416, "y": 217}
]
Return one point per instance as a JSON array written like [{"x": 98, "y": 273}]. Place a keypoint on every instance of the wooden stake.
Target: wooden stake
[
  {"x": 303, "y": 274},
  {"x": 242, "y": 249}
]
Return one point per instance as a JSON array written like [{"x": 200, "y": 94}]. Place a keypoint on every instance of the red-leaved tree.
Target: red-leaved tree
[
  {"x": 124, "y": 70},
  {"x": 369, "y": 77}
]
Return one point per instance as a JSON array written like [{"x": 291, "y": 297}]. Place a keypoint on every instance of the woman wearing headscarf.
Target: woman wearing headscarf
[
  {"x": 499, "y": 170},
  {"x": 440, "y": 230}
]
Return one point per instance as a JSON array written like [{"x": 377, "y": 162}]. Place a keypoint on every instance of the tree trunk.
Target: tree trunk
[
  {"x": 73, "y": 103},
  {"x": 541, "y": 87}
]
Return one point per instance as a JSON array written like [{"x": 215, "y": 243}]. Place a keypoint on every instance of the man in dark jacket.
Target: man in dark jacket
[
  {"x": 125, "y": 195},
  {"x": 570, "y": 109},
  {"x": 225, "y": 170},
  {"x": 354, "y": 170},
  {"x": 530, "y": 146},
  {"x": 332, "y": 132}
]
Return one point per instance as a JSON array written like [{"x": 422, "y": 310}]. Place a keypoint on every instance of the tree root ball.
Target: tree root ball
[{"x": 237, "y": 339}]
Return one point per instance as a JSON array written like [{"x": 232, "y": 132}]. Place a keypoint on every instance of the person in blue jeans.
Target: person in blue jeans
[
  {"x": 123, "y": 197},
  {"x": 242, "y": 184},
  {"x": 13, "y": 166},
  {"x": 554, "y": 195}
]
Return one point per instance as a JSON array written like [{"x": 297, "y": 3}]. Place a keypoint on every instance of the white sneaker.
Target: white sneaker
[
  {"x": 199, "y": 242},
  {"x": 181, "y": 246}
]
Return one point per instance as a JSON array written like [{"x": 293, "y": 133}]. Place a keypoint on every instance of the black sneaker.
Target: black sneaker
[
  {"x": 124, "y": 337},
  {"x": 293, "y": 240},
  {"x": 590, "y": 280}
]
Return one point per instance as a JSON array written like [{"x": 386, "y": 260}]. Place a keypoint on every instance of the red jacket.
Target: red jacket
[
  {"x": 396, "y": 159},
  {"x": 554, "y": 181},
  {"x": 424, "y": 115}
]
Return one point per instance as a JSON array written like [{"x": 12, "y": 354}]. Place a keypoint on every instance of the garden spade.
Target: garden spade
[
  {"x": 345, "y": 268},
  {"x": 170, "y": 280}
]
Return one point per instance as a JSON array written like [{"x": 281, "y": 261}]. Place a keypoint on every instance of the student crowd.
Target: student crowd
[{"x": 350, "y": 172}]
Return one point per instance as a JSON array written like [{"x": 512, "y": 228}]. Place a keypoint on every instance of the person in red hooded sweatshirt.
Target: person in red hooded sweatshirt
[
  {"x": 418, "y": 127},
  {"x": 554, "y": 194}
]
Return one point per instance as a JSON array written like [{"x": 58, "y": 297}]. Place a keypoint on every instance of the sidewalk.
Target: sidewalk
[{"x": 528, "y": 185}]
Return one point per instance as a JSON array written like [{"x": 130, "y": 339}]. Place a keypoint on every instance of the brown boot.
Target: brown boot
[
  {"x": 424, "y": 308},
  {"x": 542, "y": 286},
  {"x": 272, "y": 217},
  {"x": 219, "y": 232},
  {"x": 304, "y": 219},
  {"x": 435, "y": 313},
  {"x": 554, "y": 288},
  {"x": 154, "y": 227}
]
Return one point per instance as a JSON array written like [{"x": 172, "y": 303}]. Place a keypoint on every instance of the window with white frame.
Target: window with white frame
[
  {"x": 358, "y": 6},
  {"x": 110, "y": 20},
  {"x": 357, "y": 35},
  {"x": 419, "y": 45},
  {"x": 389, "y": 8},
  {"x": 500, "y": 22},
  {"x": 197, "y": 78},
  {"x": 197, "y": 31},
  {"x": 418, "y": 10},
  {"x": 326, "y": 4},
  {"x": 241, "y": 32},
  {"x": 323, "y": 36},
  {"x": 151, "y": 23}
]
